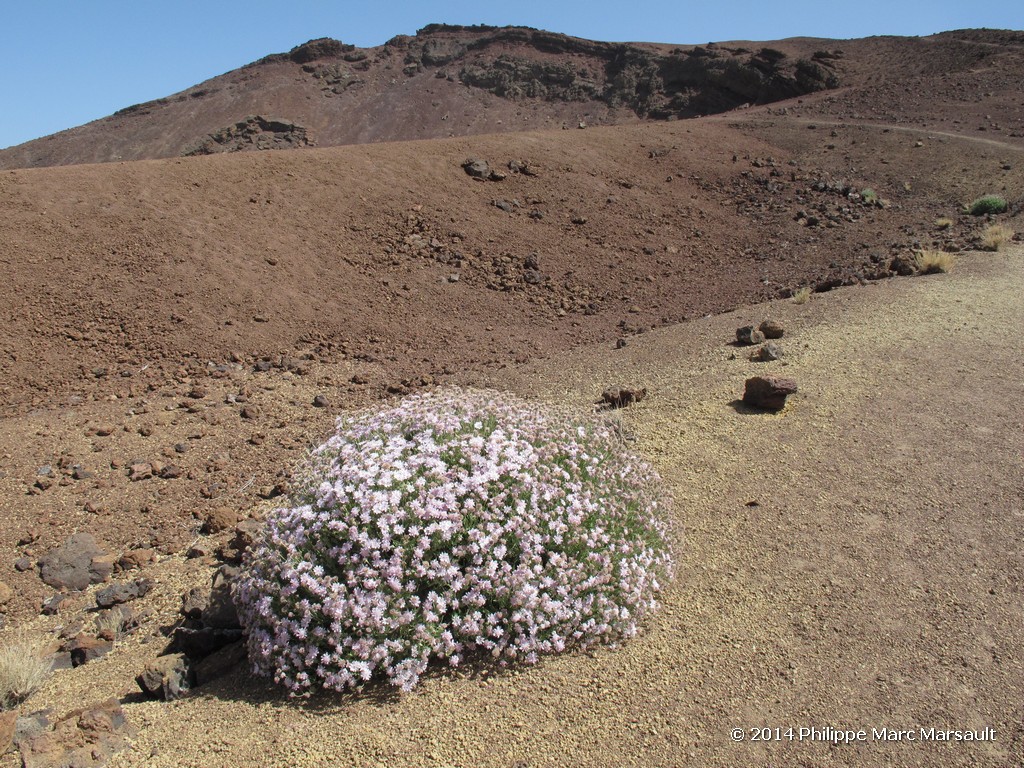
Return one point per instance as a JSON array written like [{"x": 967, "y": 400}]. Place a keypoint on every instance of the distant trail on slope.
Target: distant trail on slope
[{"x": 869, "y": 124}]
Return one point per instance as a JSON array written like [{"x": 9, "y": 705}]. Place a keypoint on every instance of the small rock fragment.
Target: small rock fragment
[
  {"x": 140, "y": 471},
  {"x": 86, "y": 648},
  {"x": 768, "y": 392},
  {"x": 478, "y": 169},
  {"x": 772, "y": 329},
  {"x": 194, "y": 602},
  {"x": 51, "y": 605},
  {"x": 220, "y": 519},
  {"x": 167, "y": 677},
  {"x": 220, "y": 610},
  {"x": 748, "y": 335},
  {"x": 320, "y": 401},
  {"x": 620, "y": 397},
  {"x": 767, "y": 353},
  {"x": 116, "y": 594}
]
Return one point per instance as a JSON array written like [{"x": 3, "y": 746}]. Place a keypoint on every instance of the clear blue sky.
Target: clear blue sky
[{"x": 67, "y": 62}]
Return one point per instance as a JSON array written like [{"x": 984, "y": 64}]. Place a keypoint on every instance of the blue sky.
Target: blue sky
[{"x": 71, "y": 61}]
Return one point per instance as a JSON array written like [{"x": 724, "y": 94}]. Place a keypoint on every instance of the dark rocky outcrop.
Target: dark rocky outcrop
[{"x": 255, "y": 132}]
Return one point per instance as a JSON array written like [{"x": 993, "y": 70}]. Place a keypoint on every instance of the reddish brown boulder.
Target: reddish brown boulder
[
  {"x": 85, "y": 738},
  {"x": 86, "y": 648},
  {"x": 768, "y": 392},
  {"x": 220, "y": 519},
  {"x": 772, "y": 329},
  {"x": 8, "y": 722}
]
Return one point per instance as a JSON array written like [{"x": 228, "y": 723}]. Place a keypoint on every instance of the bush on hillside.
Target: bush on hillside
[
  {"x": 987, "y": 204},
  {"x": 453, "y": 524}
]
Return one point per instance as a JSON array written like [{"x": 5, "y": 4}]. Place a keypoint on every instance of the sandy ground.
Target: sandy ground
[{"x": 852, "y": 563}]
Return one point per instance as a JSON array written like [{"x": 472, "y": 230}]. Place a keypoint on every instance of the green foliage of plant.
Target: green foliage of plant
[{"x": 987, "y": 204}]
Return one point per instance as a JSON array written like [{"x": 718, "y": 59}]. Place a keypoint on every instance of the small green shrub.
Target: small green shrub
[
  {"x": 987, "y": 204},
  {"x": 869, "y": 196}
]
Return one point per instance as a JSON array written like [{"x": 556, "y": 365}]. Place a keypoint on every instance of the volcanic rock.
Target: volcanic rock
[
  {"x": 86, "y": 648},
  {"x": 167, "y": 677},
  {"x": 620, "y": 397},
  {"x": 116, "y": 594},
  {"x": 76, "y": 564},
  {"x": 748, "y": 335},
  {"x": 220, "y": 662},
  {"x": 768, "y": 392},
  {"x": 766, "y": 354}
]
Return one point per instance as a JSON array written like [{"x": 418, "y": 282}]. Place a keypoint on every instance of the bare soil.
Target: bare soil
[{"x": 853, "y": 562}]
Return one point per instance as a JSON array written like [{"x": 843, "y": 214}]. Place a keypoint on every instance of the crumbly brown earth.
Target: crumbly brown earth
[{"x": 853, "y": 562}]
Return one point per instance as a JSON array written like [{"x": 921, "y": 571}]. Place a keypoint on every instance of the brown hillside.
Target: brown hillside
[
  {"x": 394, "y": 254},
  {"x": 454, "y": 81}
]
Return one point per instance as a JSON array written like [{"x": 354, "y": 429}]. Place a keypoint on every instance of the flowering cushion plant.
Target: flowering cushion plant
[{"x": 456, "y": 522}]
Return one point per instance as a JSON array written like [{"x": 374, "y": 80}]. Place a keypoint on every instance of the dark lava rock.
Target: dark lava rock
[
  {"x": 768, "y": 392},
  {"x": 167, "y": 677},
  {"x": 220, "y": 610},
  {"x": 220, "y": 662},
  {"x": 51, "y": 605},
  {"x": 76, "y": 564},
  {"x": 478, "y": 169},
  {"x": 903, "y": 265},
  {"x": 116, "y": 594},
  {"x": 620, "y": 397},
  {"x": 320, "y": 401},
  {"x": 199, "y": 643},
  {"x": 194, "y": 602}
]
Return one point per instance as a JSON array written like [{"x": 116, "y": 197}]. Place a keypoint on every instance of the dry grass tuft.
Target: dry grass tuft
[
  {"x": 943, "y": 223},
  {"x": 994, "y": 236},
  {"x": 802, "y": 296},
  {"x": 23, "y": 668},
  {"x": 111, "y": 624},
  {"x": 929, "y": 262}
]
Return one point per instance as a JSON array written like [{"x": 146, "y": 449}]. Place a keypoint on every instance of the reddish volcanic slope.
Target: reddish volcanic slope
[{"x": 455, "y": 81}]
